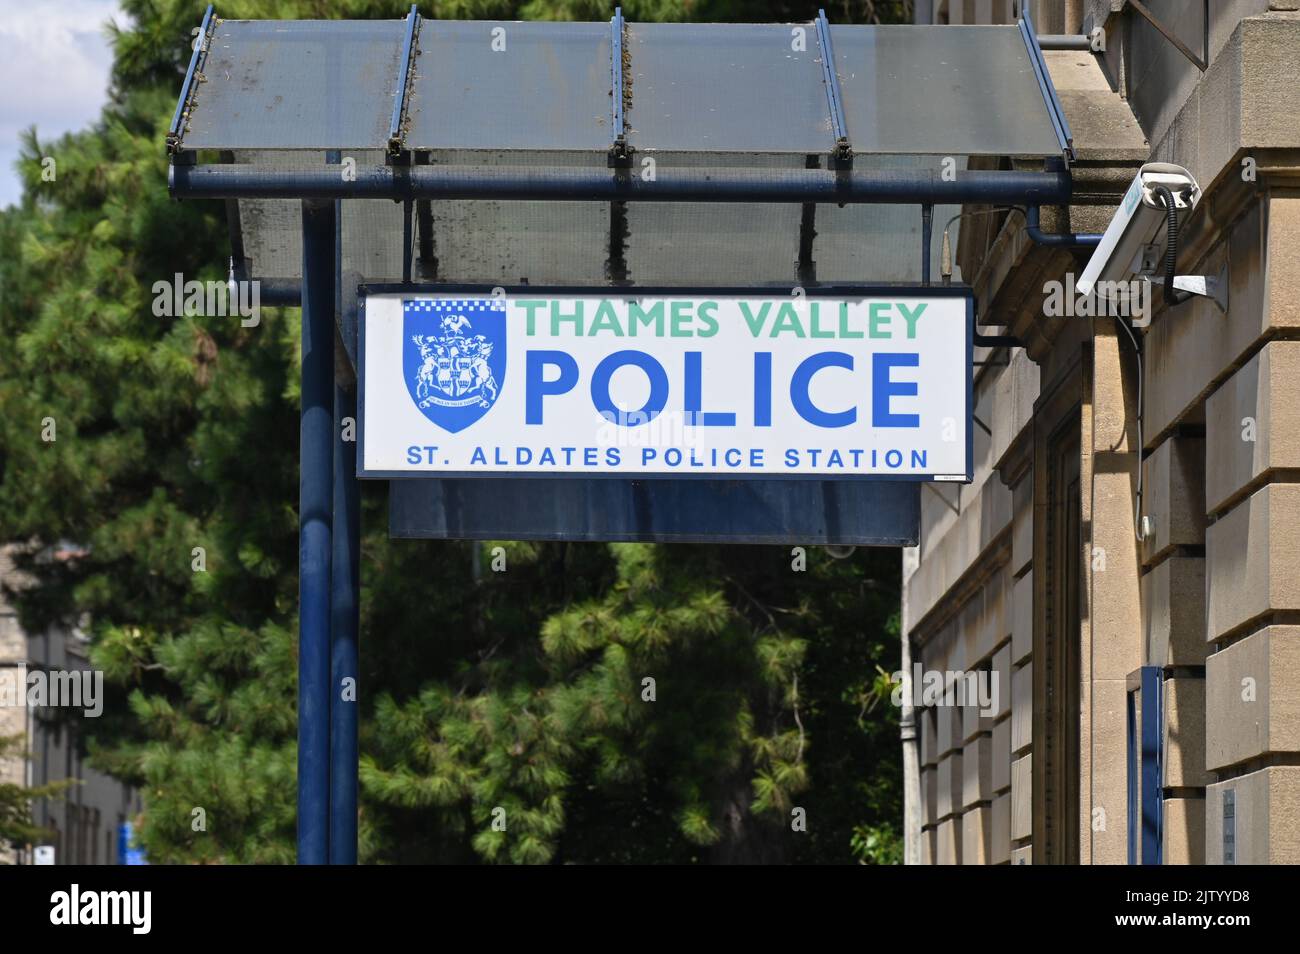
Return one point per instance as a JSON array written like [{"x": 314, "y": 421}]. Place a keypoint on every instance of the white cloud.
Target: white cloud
[{"x": 54, "y": 68}]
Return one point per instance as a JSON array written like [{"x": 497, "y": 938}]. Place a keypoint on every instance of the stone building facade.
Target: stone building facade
[
  {"x": 1130, "y": 508},
  {"x": 85, "y": 824}
]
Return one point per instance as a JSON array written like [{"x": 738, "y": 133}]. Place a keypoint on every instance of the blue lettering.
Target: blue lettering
[
  {"x": 654, "y": 372},
  {"x": 882, "y": 389},
  {"x": 802, "y": 378},
  {"x": 762, "y": 389},
  {"x": 694, "y": 387},
  {"x": 536, "y": 385}
]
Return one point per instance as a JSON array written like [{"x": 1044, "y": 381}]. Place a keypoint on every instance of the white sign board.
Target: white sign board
[{"x": 547, "y": 383}]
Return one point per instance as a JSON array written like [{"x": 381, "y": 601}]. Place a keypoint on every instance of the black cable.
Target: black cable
[
  {"x": 1137, "y": 506},
  {"x": 1173, "y": 296}
]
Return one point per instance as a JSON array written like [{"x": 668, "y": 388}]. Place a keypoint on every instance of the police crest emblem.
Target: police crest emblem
[{"x": 454, "y": 357}]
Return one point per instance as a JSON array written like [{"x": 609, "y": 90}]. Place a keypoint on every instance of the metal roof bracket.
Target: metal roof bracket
[
  {"x": 193, "y": 77},
  {"x": 842, "y": 151},
  {"x": 1201, "y": 62},
  {"x": 620, "y": 151},
  {"x": 401, "y": 95},
  {"x": 1054, "y": 110}
]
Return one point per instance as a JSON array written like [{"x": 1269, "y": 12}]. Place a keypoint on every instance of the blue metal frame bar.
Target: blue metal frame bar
[
  {"x": 403, "y": 80},
  {"x": 927, "y": 231},
  {"x": 1145, "y": 766},
  {"x": 1130, "y": 705},
  {"x": 618, "y": 150},
  {"x": 1065, "y": 41},
  {"x": 1074, "y": 239},
  {"x": 285, "y": 292},
  {"x": 345, "y": 606},
  {"x": 888, "y": 186},
  {"x": 176, "y": 131},
  {"x": 345, "y": 597},
  {"x": 1152, "y": 795},
  {"x": 315, "y": 529},
  {"x": 408, "y": 238},
  {"x": 1054, "y": 110},
  {"x": 843, "y": 151}
]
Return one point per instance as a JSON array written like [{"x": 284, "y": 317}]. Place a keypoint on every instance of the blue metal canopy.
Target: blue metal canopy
[
  {"x": 633, "y": 154},
  {"x": 682, "y": 88}
]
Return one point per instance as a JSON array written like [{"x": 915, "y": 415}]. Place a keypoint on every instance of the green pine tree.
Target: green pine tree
[
  {"x": 503, "y": 720},
  {"x": 16, "y": 827}
]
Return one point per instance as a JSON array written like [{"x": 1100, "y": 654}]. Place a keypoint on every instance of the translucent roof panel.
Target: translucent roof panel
[
  {"x": 499, "y": 85},
  {"x": 512, "y": 242},
  {"x": 568, "y": 243},
  {"x": 297, "y": 84},
  {"x": 473, "y": 241},
  {"x": 856, "y": 243},
  {"x": 713, "y": 243},
  {"x": 687, "y": 88},
  {"x": 715, "y": 87},
  {"x": 949, "y": 90}
]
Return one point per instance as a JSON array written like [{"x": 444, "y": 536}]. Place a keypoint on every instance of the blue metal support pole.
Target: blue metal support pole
[
  {"x": 315, "y": 496},
  {"x": 345, "y": 592},
  {"x": 1152, "y": 794},
  {"x": 1130, "y": 712},
  {"x": 345, "y": 601}
]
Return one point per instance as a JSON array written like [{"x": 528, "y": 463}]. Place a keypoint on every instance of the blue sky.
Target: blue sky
[{"x": 54, "y": 66}]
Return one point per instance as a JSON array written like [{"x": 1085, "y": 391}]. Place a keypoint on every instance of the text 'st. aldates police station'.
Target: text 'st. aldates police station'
[{"x": 670, "y": 386}]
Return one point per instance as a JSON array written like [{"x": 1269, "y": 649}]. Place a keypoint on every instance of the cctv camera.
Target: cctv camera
[{"x": 1135, "y": 239}]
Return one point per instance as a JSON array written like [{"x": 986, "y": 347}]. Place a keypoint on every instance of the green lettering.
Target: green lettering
[
  {"x": 705, "y": 314},
  {"x": 755, "y": 322},
  {"x": 911, "y": 317},
  {"x": 530, "y": 319},
  {"x": 637, "y": 314},
  {"x": 816, "y": 331},
  {"x": 844, "y": 322},
  {"x": 606, "y": 320},
  {"x": 787, "y": 318},
  {"x": 877, "y": 323},
  {"x": 681, "y": 320},
  {"x": 558, "y": 317}
]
